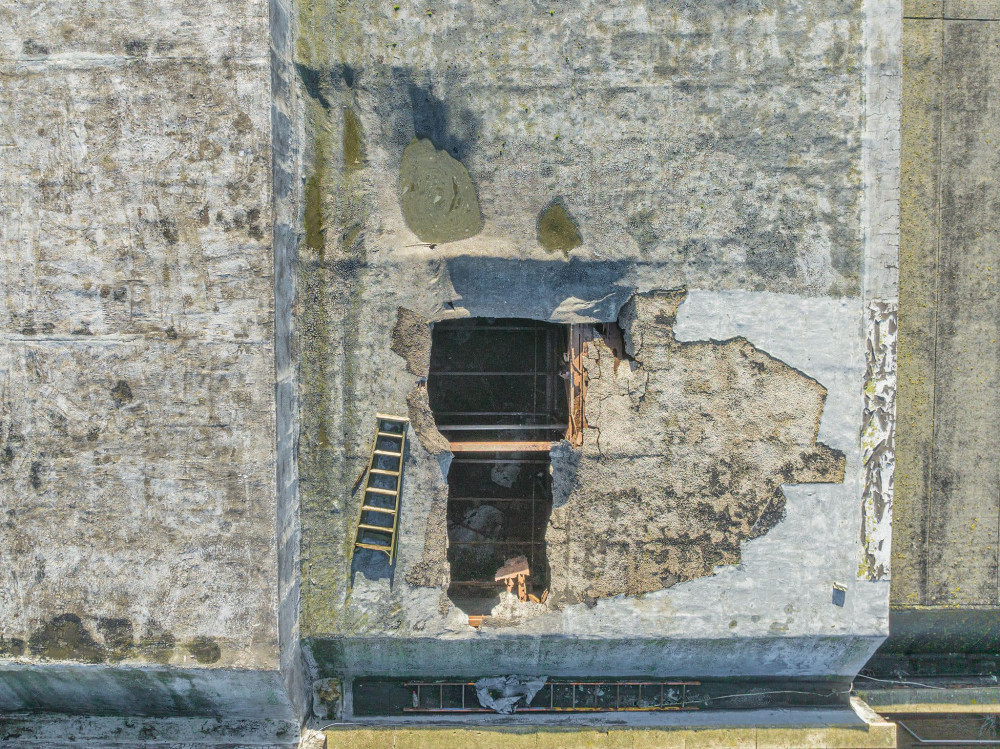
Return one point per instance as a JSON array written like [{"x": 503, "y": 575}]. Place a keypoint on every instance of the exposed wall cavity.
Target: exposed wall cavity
[
  {"x": 685, "y": 450},
  {"x": 878, "y": 439}
]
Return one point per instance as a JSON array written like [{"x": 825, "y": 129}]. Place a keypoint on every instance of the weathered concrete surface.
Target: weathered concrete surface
[
  {"x": 948, "y": 517},
  {"x": 700, "y": 148},
  {"x": 59, "y": 731},
  {"x": 137, "y": 412}
]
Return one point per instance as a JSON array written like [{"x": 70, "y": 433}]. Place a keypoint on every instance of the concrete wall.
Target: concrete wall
[
  {"x": 749, "y": 157},
  {"x": 136, "y": 354}
]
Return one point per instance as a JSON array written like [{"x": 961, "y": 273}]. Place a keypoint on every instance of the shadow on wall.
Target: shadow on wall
[
  {"x": 406, "y": 99},
  {"x": 556, "y": 290},
  {"x": 448, "y": 127}
]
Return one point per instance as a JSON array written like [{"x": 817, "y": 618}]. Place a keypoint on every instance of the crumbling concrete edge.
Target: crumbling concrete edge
[
  {"x": 880, "y": 156},
  {"x": 286, "y": 202}
]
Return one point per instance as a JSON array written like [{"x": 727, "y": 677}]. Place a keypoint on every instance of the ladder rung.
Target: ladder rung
[
  {"x": 372, "y": 508},
  {"x": 386, "y": 452},
  {"x": 397, "y": 435},
  {"x": 377, "y": 547},
  {"x": 379, "y": 490},
  {"x": 383, "y": 472},
  {"x": 380, "y": 528}
]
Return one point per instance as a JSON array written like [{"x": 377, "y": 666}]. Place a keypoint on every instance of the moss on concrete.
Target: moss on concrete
[
  {"x": 557, "y": 231},
  {"x": 354, "y": 150}
]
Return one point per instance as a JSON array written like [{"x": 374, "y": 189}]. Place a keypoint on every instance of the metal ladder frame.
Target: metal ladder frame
[{"x": 393, "y": 532}]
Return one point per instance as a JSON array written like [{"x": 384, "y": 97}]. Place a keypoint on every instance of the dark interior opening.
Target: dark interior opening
[
  {"x": 498, "y": 382},
  {"x": 498, "y": 379}
]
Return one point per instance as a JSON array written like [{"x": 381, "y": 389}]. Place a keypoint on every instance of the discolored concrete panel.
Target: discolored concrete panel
[
  {"x": 918, "y": 286},
  {"x": 946, "y": 528},
  {"x": 137, "y": 503}
]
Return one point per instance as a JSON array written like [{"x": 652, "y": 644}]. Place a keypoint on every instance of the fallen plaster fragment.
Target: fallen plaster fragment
[
  {"x": 312, "y": 740},
  {"x": 509, "y": 690}
]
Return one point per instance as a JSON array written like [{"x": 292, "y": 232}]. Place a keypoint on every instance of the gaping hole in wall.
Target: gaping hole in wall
[{"x": 499, "y": 390}]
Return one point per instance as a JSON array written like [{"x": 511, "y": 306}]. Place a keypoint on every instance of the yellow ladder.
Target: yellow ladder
[{"x": 378, "y": 520}]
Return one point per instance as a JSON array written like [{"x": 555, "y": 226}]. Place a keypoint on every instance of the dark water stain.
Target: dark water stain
[
  {"x": 117, "y": 634},
  {"x": 557, "y": 231},
  {"x": 6, "y": 456},
  {"x": 64, "y": 638},
  {"x": 12, "y": 647},
  {"x": 136, "y": 48},
  {"x": 314, "y": 219},
  {"x": 242, "y": 123},
  {"x": 156, "y": 646},
  {"x": 168, "y": 228},
  {"x": 35, "y": 476},
  {"x": 204, "y": 650},
  {"x": 121, "y": 393},
  {"x": 34, "y": 49}
]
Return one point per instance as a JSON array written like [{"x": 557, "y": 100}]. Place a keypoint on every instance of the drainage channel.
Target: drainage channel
[{"x": 415, "y": 697}]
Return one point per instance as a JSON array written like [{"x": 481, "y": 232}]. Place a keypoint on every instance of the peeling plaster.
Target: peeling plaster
[{"x": 878, "y": 439}]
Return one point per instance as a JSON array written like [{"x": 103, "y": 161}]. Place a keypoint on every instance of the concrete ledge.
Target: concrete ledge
[
  {"x": 48, "y": 730},
  {"x": 957, "y": 700},
  {"x": 153, "y": 692}
]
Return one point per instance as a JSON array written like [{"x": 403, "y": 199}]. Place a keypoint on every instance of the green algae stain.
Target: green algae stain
[
  {"x": 354, "y": 151},
  {"x": 205, "y": 650},
  {"x": 314, "y": 218},
  {"x": 64, "y": 638},
  {"x": 557, "y": 231}
]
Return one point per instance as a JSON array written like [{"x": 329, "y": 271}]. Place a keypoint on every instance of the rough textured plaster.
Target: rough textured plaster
[{"x": 683, "y": 455}]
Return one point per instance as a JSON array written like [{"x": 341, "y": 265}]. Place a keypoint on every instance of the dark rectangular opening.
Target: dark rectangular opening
[{"x": 499, "y": 390}]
